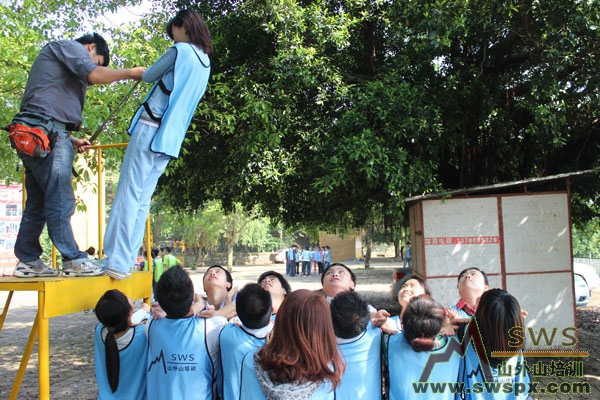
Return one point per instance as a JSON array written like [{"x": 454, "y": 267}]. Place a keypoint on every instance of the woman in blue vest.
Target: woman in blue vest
[
  {"x": 486, "y": 376},
  {"x": 157, "y": 132},
  {"x": 120, "y": 349},
  {"x": 301, "y": 359},
  {"x": 408, "y": 354}
]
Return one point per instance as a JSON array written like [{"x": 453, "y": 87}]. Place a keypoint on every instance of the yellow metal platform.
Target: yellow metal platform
[{"x": 59, "y": 296}]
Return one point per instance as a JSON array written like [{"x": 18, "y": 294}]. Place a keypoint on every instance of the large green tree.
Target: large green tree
[{"x": 332, "y": 112}]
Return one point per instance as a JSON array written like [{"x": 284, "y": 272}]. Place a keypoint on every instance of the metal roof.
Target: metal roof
[{"x": 503, "y": 185}]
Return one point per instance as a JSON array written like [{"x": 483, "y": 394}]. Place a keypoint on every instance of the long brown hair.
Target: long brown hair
[
  {"x": 195, "y": 27},
  {"x": 303, "y": 347}
]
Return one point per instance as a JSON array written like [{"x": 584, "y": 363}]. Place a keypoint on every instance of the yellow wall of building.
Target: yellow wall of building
[{"x": 348, "y": 247}]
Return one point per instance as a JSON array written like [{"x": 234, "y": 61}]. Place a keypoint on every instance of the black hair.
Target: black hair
[
  {"x": 476, "y": 269},
  {"x": 352, "y": 274},
  {"x": 175, "y": 292},
  {"x": 253, "y": 306},
  {"x": 284, "y": 283},
  {"x": 91, "y": 251},
  {"x": 497, "y": 313},
  {"x": 112, "y": 310},
  {"x": 101, "y": 46},
  {"x": 349, "y": 314},
  {"x": 227, "y": 274},
  {"x": 422, "y": 322}
]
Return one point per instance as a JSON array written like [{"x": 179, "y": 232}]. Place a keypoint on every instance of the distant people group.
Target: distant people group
[
  {"x": 267, "y": 341},
  {"x": 303, "y": 261}
]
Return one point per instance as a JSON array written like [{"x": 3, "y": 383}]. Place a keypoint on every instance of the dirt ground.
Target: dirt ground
[{"x": 588, "y": 330}]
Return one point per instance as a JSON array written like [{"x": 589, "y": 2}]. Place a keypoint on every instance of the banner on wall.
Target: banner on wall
[{"x": 11, "y": 210}]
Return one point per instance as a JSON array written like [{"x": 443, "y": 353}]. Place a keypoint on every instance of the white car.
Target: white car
[
  {"x": 278, "y": 256},
  {"x": 589, "y": 274},
  {"x": 582, "y": 291}
]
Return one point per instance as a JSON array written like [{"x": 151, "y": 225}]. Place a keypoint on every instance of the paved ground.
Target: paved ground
[{"x": 71, "y": 336}]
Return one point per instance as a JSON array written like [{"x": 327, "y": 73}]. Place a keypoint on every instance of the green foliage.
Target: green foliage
[
  {"x": 586, "y": 241},
  {"x": 210, "y": 225},
  {"x": 331, "y": 113}
]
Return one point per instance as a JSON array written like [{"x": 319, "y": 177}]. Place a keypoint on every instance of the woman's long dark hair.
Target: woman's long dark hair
[
  {"x": 112, "y": 311},
  {"x": 497, "y": 313},
  {"x": 195, "y": 27}
]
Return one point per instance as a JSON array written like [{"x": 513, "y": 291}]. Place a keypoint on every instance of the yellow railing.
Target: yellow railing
[{"x": 59, "y": 296}]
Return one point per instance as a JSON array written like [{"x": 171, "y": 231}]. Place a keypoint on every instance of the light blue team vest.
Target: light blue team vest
[
  {"x": 132, "y": 371},
  {"x": 250, "y": 388},
  {"x": 503, "y": 385},
  {"x": 362, "y": 378},
  {"x": 406, "y": 365},
  {"x": 179, "y": 364},
  {"x": 190, "y": 78},
  {"x": 236, "y": 343}
]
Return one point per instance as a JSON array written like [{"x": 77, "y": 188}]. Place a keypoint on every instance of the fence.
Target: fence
[{"x": 594, "y": 262}]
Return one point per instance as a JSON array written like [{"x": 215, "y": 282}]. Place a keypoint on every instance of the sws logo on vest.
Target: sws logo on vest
[{"x": 175, "y": 362}]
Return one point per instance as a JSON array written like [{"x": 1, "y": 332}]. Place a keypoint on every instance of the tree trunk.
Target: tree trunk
[
  {"x": 369, "y": 244},
  {"x": 229, "y": 254}
]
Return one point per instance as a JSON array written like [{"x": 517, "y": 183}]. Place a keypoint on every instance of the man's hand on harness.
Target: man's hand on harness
[{"x": 80, "y": 145}]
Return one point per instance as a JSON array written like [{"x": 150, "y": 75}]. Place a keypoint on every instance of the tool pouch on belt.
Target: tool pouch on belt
[{"x": 31, "y": 135}]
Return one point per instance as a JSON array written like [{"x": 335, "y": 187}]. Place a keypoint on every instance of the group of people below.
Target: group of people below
[
  {"x": 315, "y": 258},
  {"x": 53, "y": 100},
  {"x": 267, "y": 341}
]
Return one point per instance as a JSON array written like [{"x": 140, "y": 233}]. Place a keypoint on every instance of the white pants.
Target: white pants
[{"x": 127, "y": 222}]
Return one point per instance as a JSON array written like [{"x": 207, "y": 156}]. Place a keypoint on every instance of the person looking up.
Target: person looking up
[
  {"x": 220, "y": 293},
  {"x": 339, "y": 278},
  {"x": 472, "y": 283},
  {"x": 277, "y": 286}
]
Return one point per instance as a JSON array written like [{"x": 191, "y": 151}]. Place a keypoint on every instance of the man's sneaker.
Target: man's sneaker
[
  {"x": 85, "y": 268},
  {"x": 34, "y": 269},
  {"x": 117, "y": 274}
]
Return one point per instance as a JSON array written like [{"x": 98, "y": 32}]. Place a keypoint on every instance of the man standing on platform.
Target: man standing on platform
[{"x": 54, "y": 96}]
